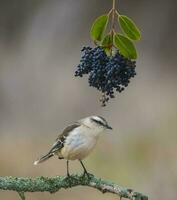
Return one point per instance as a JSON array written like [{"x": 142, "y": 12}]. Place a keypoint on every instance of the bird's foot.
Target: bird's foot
[
  {"x": 70, "y": 179},
  {"x": 88, "y": 175}
]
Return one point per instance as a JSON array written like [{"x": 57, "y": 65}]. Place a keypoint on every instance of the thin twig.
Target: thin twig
[{"x": 22, "y": 195}]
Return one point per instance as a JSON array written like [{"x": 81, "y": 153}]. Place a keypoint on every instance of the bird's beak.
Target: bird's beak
[{"x": 108, "y": 127}]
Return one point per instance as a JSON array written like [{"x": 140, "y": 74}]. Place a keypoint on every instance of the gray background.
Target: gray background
[{"x": 40, "y": 42}]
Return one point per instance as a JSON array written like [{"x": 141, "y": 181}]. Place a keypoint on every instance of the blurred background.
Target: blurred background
[{"x": 40, "y": 43}]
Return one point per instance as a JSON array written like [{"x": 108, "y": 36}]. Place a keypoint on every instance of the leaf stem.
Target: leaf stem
[
  {"x": 113, "y": 20},
  {"x": 113, "y": 4},
  {"x": 117, "y": 13},
  {"x": 113, "y": 14}
]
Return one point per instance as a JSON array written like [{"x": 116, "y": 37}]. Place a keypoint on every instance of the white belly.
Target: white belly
[{"x": 78, "y": 146}]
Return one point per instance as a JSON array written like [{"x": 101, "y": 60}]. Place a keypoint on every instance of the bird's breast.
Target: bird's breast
[{"x": 78, "y": 145}]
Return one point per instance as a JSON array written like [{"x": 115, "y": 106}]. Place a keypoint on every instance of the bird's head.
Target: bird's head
[{"x": 97, "y": 123}]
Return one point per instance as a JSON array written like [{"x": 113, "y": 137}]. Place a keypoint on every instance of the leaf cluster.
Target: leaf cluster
[{"x": 123, "y": 41}]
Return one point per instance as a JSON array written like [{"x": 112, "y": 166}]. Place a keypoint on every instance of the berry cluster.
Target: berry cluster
[{"x": 106, "y": 73}]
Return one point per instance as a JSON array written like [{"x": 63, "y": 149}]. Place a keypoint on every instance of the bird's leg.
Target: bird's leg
[
  {"x": 85, "y": 171},
  {"x": 68, "y": 174},
  {"x": 69, "y": 177}
]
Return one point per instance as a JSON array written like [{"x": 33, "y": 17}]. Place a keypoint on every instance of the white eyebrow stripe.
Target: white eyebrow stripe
[
  {"x": 98, "y": 121},
  {"x": 97, "y": 118},
  {"x": 101, "y": 119}
]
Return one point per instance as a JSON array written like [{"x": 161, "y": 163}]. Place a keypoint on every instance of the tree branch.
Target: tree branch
[{"x": 45, "y": 184}]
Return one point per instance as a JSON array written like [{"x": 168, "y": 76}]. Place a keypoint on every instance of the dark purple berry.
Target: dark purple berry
[{"x": 106, "y": 73}]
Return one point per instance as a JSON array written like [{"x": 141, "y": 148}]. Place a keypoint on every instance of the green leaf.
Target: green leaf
[
  {"x": 107, "y": 43},
  {"x": 129, "y": 27},
  {"x": 125, "y": 46},
  {"x": 98, "y": 28}
]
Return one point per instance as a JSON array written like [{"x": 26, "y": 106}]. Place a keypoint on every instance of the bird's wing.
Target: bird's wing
[{"x": 61, "y": 138}]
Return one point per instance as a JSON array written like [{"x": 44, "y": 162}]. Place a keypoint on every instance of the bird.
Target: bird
[{"x": 77, "y": 141}]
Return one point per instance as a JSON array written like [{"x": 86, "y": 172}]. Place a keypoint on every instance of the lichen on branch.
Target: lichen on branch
[{"x": 54, "y": 184}]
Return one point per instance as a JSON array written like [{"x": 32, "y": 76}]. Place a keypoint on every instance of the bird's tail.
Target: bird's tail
[{"x": 43, "y": 158}]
